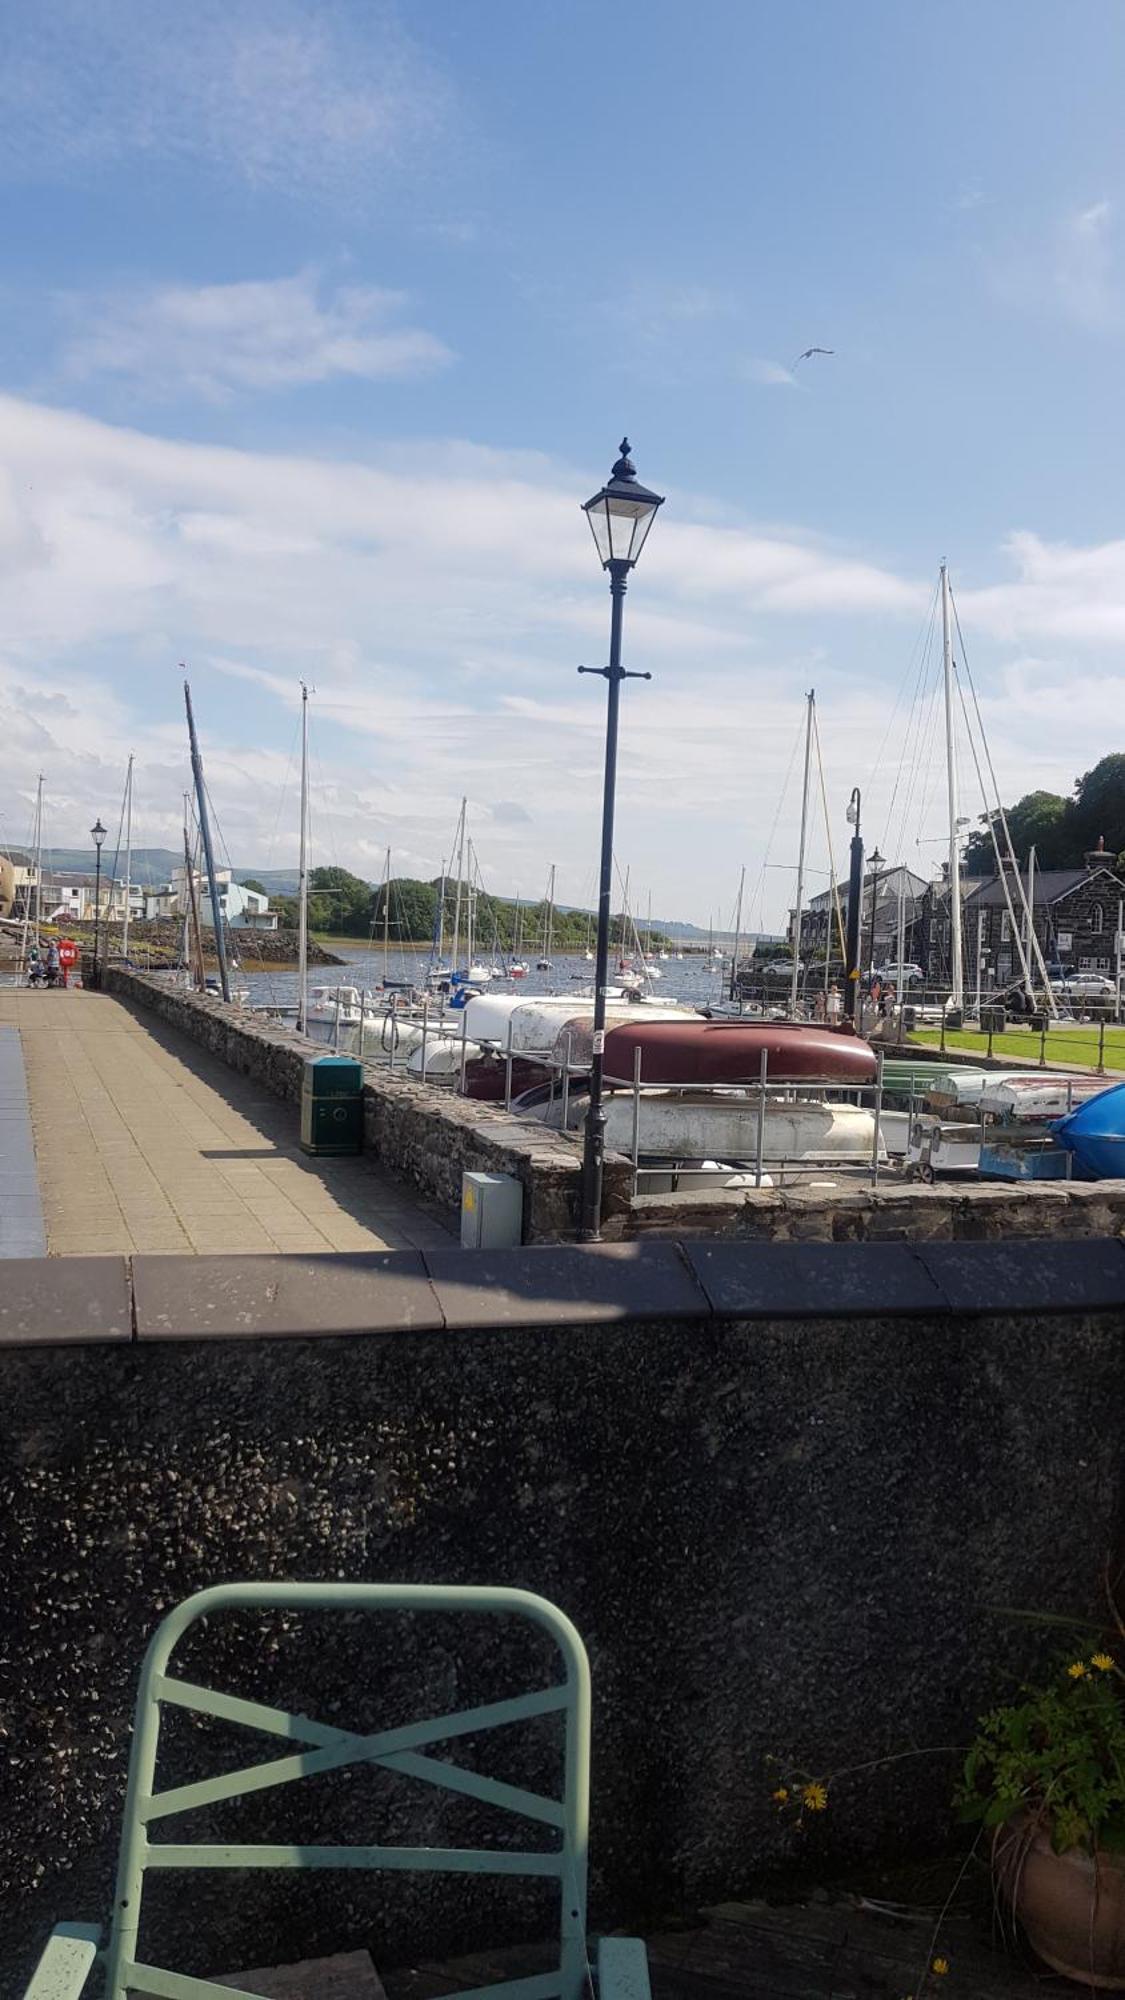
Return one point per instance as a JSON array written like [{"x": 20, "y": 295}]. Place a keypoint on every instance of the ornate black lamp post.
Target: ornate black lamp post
[
  {"x": 620, "y": 517},
  {"x": 97, "y": 835}
]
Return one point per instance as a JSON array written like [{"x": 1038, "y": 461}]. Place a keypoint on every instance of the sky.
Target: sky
[{"x": 321, "y": 320}]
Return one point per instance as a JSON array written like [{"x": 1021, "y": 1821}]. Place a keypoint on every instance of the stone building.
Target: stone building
[
  {"x": 819, "y": 928},
  {"x": 1075, "y": 915}
]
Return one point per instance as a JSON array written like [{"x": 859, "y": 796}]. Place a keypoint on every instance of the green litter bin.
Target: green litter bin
[{"x": 332, "y": 1105}]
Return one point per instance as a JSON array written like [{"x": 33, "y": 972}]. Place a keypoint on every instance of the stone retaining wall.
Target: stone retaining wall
[
  {"x": 431, "y": 1137},
  {"x": 428, "y": 1136},
  {"x": 953, "y": 1213}
]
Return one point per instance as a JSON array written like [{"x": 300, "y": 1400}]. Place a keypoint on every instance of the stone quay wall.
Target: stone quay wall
[
  {"x": 430, "y": 1137},
  {"x": 782, "y": 1490}
]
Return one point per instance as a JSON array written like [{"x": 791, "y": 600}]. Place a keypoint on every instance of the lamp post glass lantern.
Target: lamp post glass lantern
[
  {"x": 620, "y": 516},
  {"x": 97, "y": 835}
]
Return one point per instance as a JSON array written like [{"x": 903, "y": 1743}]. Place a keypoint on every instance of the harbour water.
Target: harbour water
[{"x": 695, "y": 979}]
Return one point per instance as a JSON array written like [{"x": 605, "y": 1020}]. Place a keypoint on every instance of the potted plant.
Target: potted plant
[{"x": 1047, "y": 1773}]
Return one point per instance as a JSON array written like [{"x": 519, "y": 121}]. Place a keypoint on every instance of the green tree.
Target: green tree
[
  {"x": 1099, "y": 807},
  {"x": 1042, "y": 820},
  {"x": 251, "y": 882},
  {"x": 339, "y": 902},
  {"x": 411, "y": 907}
]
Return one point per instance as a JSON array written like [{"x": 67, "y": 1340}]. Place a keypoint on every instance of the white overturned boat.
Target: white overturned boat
[
  {"x": 722, "y": 1125},
  {"x": 540, "y": 1023},
  {"x": 332, "y": 1003}
]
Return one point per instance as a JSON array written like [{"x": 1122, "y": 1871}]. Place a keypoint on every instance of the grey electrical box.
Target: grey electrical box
[{"x": 491, "y": 1212}]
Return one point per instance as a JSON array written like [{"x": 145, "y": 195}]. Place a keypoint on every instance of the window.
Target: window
[
  {"x": 1005, "y": 928},
  {"x": 1097, "y": 919}
]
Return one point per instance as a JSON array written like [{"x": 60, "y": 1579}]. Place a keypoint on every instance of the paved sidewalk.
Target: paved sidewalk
[{"x": 143, "y": 1142}]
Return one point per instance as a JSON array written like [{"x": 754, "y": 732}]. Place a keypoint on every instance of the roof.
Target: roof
[
  {"x": 1051, "y": 885},
  {"x": 888, "y": 878}
]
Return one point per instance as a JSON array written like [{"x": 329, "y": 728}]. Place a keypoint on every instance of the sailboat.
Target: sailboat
[
  {"x": 517, "y": 966},
  {"x": 545, "y": 963},
  {"x": 588, "y": 954}
]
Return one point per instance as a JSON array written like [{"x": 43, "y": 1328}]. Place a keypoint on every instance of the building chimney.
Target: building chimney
[{"x": 1097, "y": 856}]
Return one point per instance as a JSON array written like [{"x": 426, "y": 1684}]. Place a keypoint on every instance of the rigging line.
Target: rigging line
[
  {"x": 1036, "y": 953},
  {"x": 921, "y": 644},
  {"x": 921, "y": 680},
  {"x": 283, "y": 791},
  {"x": 1012, "y": 925},
  {"x": 921, "y": 752},
  {"x": 834, "y": 886},
  {"x": 760, "y": 889}
]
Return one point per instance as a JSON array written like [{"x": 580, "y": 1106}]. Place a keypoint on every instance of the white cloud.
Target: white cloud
[
  {"x": 439, "y": 599},
  {"x": 215, "y": 340},
  {"x": 769, "y": 374},
  {"x": 1087, "y": 274},
  {"x": 277, "y": 93}
]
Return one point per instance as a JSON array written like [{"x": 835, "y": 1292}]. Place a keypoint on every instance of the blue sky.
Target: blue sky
[{"x": 321, "y": 320}]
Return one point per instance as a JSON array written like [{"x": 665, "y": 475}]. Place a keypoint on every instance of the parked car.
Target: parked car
[
  {"x": 910, "y": 975},
  {"x": 1084, "y": 986}
]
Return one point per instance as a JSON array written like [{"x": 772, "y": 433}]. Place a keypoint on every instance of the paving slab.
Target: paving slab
[
  {"x": 563, "y": 1284},
  {"x": 339, "y": 1292},
  {"x": 47, "y": 1301},
  {"x": 804, "y": 1280},
  {"x": 144, "y": 1142}
]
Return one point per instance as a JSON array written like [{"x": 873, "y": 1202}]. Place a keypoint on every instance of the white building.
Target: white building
[{"x": 242, "y": 909}]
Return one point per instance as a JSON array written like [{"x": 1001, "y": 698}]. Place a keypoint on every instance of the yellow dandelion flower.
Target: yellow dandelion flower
[
  {"x": 1103, "y": 1662},
  {"x": 940, "y": 1966},
  {"x": 1077, "y": 1670},
  {"x": 815, "y": 1797},
  {"x": 781, "y": 1796}
]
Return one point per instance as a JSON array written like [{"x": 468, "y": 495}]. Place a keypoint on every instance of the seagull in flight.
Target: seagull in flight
[{"x": 809, "y": 352}]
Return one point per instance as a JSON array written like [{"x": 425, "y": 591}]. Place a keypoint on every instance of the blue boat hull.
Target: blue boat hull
[{"x": 1095, "y": 1135}]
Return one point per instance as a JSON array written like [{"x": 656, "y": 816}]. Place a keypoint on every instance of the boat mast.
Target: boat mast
[
  {"x": 737, "y": 931},
  {"x": 37, "y": 876},
  {"x": 1029, "y": 912},
  {"x": 470, "y": 925},
  {"x": 459, "y": 844},
  {"x": 128, "y": 856},
  {"x": 303, "y": 876},
  {"x": 550, "y": 921},
  {"x": 208, "y": 851},
  {"x": 386, "y": 917},
  {"x": 195, "y": 954},
  {"x": 795, "y": 980},
  {"x": 957, "y": 995}
]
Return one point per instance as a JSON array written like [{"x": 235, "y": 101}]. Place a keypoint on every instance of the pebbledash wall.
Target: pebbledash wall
[
  {"x": 784, "y": 1518},
  {"x": 431, "y": 1137}
]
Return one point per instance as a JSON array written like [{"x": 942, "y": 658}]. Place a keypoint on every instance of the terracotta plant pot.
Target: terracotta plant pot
[{"x": 1072, "y": 1905}]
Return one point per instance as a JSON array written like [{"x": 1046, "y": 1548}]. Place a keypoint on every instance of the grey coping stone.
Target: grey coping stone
[
  {"x": 50, "y": 1301},
  {"x": 339, "y": 1291},
  {"x": 811, "y": 1280},
  {"x": 564, "y": 1284},
  {"x": 1028, "y": 1275}
]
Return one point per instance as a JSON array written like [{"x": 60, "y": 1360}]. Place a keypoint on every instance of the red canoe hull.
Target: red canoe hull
[{"x": 731, "y": 1052}]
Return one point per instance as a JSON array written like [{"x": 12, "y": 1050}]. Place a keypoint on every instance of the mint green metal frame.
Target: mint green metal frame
[{"x": 325, "y": 1749}]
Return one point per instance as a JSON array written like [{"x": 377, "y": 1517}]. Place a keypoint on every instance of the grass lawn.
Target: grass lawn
[{"x": 1072, "y": 1044}]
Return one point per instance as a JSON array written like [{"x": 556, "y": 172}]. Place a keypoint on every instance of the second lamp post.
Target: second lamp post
[
  {"x": 620, "y": 516},
  {"x": 97, "y": 835}
]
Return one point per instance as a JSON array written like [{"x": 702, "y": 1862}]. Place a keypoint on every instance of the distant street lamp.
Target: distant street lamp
[
  {"x": 97, "y": 835},
  {"x": 620, "y": 516}
]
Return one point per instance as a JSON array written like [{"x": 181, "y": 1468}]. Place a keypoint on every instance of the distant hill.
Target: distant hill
[{"x": 152, "y": 867}]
